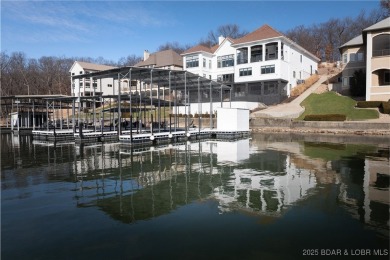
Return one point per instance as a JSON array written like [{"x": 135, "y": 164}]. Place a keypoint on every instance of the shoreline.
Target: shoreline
[{"x": 320, "y": 131}]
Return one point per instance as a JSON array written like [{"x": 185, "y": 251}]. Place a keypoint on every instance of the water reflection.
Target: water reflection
[
  {"x": 263, "y": 176},
  {"x": 258, "y": 176}
]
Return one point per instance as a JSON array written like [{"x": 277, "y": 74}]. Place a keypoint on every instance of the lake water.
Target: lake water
[{"x": 269, "y": 196}]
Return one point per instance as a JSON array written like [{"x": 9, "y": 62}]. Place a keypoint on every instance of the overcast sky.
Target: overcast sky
[{"x": 115, "y": 29}]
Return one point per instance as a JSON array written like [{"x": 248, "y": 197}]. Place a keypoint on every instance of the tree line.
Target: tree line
[{"x": 21, "y": 75}]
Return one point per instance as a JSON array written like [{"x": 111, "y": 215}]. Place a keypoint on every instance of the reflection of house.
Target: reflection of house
[
  {"x": 266, "y": 192},
  {"x": 262, "y": 66},
  {"x": 368, "y": 199},
  {"x": 370, "y": 52}
]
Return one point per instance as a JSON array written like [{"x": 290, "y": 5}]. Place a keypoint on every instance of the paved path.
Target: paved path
[{"x": 292, "y": 109}]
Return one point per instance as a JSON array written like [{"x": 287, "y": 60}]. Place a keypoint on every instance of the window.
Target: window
[
  {"x": 345, "y": 58},
  {"x": 81, "y": 72},
  {"x": 270, "y": 88},
  {"x": 300, "y": 75},
  {"x": 360, "y": 56},
  {"x": 209, "y": 64},
  {"x": 72, "y": 73},
  {"x": 352, "y": 57},
  {"x": 294, "y": 74},
  {"x": 109, "y": 85},
  {"x": 226, "y": 78},
  {"x": 209, "y": 76},
  {"x": 380, "y": 45},
  {"x": 256, "y": 53},
  {"x": 81, "y": 84},
  {"x": 242, "y": 56},
  {"x": 386, "y": 78},
  {"x": 246, "y": 72},
  {"x": 94, "y": 85},
  {"x": 225, "y": 61},
  {"x": 87, "y": 84},
  {"x": 192, "y": 61},
  {"x": 301, "y": 58},
  {"x": 267, "y": 69},
  {"x": 271, "y": 51},
  {"x": 204, "y": 63},
  {"x": 204, "y": 75},
  {"x": 345, "y": 81}
]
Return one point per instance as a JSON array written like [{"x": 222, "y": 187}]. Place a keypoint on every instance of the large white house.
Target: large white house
[{"x": 261, "y": 67}]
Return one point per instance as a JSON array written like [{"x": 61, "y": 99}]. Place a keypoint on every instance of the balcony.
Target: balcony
[
  {"x": 242, "y": 60},
  {"x": 382, "y": 52}
]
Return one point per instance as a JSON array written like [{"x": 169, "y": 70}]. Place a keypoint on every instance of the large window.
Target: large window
[
  {"x": 268, "y": 69},
  {"x": 204, "y": 63},
  {"x": 242, "y": 56},
  {"x": 226, "y": 78},
  {"x": 225, "y": 61},
  {"x": 353, "y": 57},
  {"x": 345, "y": 58},
  {"x": 270, "y": 88},
  {"x": 256, "y": 53},
  {"x": 192, "y": 61},
  {"x": 381, "y": 45},
  {"x": 246, "y": 72},
  {"x": 271, "y": 51}
]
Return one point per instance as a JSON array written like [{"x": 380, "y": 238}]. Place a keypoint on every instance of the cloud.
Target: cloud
[{"x": 76, "y": 21}]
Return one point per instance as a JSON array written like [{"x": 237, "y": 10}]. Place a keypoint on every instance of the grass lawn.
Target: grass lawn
[{"x": 331, "y": 103}]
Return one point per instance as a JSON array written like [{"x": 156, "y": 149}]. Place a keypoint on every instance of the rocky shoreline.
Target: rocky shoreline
[{"x": 320, "y": 131}]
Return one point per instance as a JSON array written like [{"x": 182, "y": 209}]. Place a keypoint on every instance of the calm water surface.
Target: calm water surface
[{"x": 268, "y": 197}]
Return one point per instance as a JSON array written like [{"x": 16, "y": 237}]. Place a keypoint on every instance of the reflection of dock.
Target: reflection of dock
[{"x": 134, "y": 138}]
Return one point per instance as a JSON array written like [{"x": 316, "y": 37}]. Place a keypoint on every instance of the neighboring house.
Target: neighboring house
[
  {"x": 370, "y": 51},
  {"x": 89, "y": 87},
  {"x": 352, "y": 59},
  {"x": 261, "y": 67},
  {"x": 167, "y": 59}
]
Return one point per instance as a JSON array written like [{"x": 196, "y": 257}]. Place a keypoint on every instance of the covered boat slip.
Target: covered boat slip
[
  {"x": 140, "y": 115},
  {"x": 143, "y": 115}
]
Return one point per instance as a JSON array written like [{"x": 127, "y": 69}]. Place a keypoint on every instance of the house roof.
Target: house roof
[
  {"x": 358, "y": 40},
  {"x": 200, "y": 48},
  {"x": 385, "y": 23},
  {"x": 264, "y": 32},
  {"x": 162, "y": 59},
  {"x": 92, "y": 66}
]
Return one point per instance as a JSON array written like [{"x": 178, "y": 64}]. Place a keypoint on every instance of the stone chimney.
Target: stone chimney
[
  {"x": 220, "y": 39},
  {"x": 146, "y": 55}
]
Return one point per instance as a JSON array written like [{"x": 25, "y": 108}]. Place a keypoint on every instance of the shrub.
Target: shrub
[
  {"x": 325, "y": 117},
  {"x": 385, "y": 108},
  {"x": 368, "y": 104}
]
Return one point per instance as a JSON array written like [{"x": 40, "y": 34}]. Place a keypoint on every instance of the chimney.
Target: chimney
[
  {"x": 220, "y": 39},
  {"x": 146, "y": 55}
]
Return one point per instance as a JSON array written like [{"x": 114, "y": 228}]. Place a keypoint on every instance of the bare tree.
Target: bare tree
[
  {"x": 175, "y": 46},
  {"x": 227, "y": 30},
  {"x": 385, "y": 6}
]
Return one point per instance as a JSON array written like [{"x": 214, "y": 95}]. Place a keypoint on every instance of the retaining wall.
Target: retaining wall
[{"x": 288, "y": 123}]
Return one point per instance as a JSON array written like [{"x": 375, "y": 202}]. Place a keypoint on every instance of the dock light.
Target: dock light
[
  {"x": 170, "y": 135},
  {"x": 188, "y": 134},
  {"x": 152, "y": 137}
]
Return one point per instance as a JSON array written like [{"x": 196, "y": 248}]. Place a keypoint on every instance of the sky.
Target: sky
[{"x": 115, "y": 29}]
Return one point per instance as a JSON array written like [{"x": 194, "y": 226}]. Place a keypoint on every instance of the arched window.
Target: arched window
[{"x": 380, "y": 45}]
